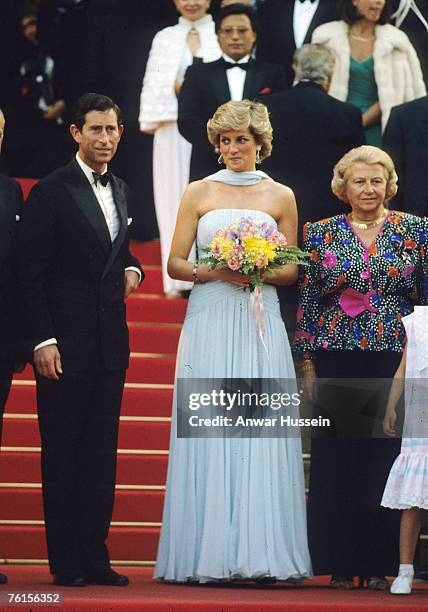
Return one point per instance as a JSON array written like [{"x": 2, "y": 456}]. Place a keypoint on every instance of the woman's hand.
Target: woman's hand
[
  {"x": 372, "y": 115},
  {"x": 223, "y": 274},
  {"x": 389, "y": 421}
]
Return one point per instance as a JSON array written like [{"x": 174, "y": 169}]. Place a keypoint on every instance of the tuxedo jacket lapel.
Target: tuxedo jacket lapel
[
  {"x": 322, "y": 15},
  {"x": 121, "y": 206},
  {"x": 253, "y": 81},
  {"x": 219, "y": 83},
  {"x": 83, "y": 195}
]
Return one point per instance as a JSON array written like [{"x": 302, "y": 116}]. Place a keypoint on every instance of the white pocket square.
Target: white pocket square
[
  {"x": 17, "y": 217},
  {"x": 129, "y": 220}
]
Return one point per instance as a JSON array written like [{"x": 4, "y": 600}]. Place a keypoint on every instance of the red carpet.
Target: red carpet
[{"x": 146, "y": 595}]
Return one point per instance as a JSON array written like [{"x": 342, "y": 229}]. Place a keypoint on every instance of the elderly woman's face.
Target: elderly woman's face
[
  {"x": 366, "y": 189},
  {"x": 369, "y": 9},
  {"x": 192, "y": 9}
]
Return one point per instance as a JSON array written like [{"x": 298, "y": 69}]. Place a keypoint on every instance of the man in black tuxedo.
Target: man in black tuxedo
[
  {"x": 11, "y": 202},
  {"x": 75, "y": 270},
  {"x": 235, "y": 76},
  {"x": 285, "y": 25},
  {"x": 311, "y": 132},
  {"x": 406, "y": 140}
]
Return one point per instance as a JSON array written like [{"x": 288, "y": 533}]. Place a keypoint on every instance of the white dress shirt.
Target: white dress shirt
[
  {"x": 236, "y": 77},
  {"x": 302, "y": 16},
  {"x": 105, "y": 199}
]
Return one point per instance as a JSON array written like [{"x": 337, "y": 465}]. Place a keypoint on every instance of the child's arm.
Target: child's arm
[{"x": 394, "y": 395}]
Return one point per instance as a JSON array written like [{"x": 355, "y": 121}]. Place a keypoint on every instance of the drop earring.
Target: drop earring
[
  {"x": 258, "y": 160},
  {"x": 220, "y": 159}
]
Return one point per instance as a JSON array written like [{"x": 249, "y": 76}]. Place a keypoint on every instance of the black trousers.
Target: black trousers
[
  {"x": 78, "y": 421},
  {"x": 6, "y": 372},
  {"x": 350, "y": 534}
]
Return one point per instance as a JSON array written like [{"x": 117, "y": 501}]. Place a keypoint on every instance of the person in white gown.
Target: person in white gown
[
  {"x": 407, "y": 485},
  {"x": 173, "y": 50},
  {"x": 234, "y": 506}
]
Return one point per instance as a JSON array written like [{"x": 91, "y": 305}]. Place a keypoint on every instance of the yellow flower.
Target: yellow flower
[
  {"x": 222, "y": 247},
  {"x": 260, "y": 248}
]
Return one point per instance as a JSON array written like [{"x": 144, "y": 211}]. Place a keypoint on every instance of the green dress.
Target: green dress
[{"x": 362, "y": 92}]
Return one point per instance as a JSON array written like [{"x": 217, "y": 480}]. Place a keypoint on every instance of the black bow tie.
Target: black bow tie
[
  {"x": 102, "y": 178},
  {"x": 302, "y": 1},
  {"x": 227, "y": 65}
]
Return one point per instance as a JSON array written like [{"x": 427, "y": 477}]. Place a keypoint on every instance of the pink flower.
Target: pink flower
[
  {"x": 245, "y": 235},
  {"x": 330, "y": 259},
  {"x": 261, "y": 262},
  {"x": 233, "y": 263}
]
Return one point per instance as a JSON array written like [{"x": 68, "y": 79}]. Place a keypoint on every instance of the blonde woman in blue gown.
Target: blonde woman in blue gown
[{"x": 234, "y": 507}]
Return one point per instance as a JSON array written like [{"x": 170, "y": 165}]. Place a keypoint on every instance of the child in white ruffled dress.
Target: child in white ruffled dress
[{"x": 407, "y": 485}]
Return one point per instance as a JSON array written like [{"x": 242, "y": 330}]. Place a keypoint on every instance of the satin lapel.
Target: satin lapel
[
  {"x": 121, "y": 206},
  {"x": 219, "y": 83},
  {"x": 253, "y": 82},
  {"x": 82, "y": 194},
  {"x": 322, "y": 14}
]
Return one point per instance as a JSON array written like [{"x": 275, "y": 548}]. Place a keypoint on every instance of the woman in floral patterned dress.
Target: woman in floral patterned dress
[{"x": 367, "y": 270}]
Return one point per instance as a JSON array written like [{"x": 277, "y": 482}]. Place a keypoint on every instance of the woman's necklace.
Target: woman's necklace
[
  {"x": 361, "y": 38},
  {"x": 365, "y": 226}
]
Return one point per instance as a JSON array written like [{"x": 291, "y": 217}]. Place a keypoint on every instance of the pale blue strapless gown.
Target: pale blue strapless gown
[{"x": 234, "y": 508}]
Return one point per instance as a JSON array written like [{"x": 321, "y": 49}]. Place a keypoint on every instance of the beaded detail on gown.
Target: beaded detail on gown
[{"x": 234, "y": 508}]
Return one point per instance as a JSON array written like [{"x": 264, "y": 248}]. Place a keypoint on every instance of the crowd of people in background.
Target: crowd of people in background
[{"x": 55, "y": 50}]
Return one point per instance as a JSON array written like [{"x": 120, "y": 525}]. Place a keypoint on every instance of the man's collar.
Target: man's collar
[
  {"x": 243, "y": 60},
  {"x": 87, "y": 169}
]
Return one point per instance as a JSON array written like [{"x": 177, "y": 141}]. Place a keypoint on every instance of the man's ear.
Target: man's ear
[
  {"x": 121, "y": 128},
  {"x": 76, "y": 133}
]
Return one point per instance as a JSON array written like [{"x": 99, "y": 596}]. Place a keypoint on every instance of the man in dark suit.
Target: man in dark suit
[
  {"x": 287, "y": 25},
  {"x": 10, "y": 211},
  {"x": 75, "y": 270},
  {"x": 235, "y": 76},
  {"x": 406, "y": 140},
  {"x": 311, "y": 132}
]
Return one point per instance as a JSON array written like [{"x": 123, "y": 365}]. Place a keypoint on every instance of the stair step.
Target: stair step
[
  {"x": 132, "y": 470},
  {"x": 127, "y": 543},
  {"x": 155, "y": 308},
  {"x": 132, "y": 435},
  {"x": 136, "y": 506},
  {"x": 152, "y": 281},
  {"x": 147, "y": 253},
  {"x": 153, "y": 338},
  {"x": 151, "y": 402}
]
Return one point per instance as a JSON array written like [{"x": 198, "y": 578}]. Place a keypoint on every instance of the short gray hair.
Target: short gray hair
[{"x": 313, "y": 63}]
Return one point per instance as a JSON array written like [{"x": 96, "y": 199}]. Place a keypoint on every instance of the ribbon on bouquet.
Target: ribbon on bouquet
[{"x": 258, "y": 314}]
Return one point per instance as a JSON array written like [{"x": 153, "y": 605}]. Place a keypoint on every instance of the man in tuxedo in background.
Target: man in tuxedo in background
[
  {"x": 406, "y": 140},
  {"x": 75, "y": 270},
  {"x": 235, "y": 76},
  {"x": 285, "y": 25},
  {"x": 312, "y": 131},
  {"x": 11, "y": 202}
]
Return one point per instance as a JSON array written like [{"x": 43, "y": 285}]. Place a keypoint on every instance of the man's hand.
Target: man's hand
[
  {"x": 132, "y": 280},
  {"x": 47, "y": 361},
  {"x": 54, "y": 111}
]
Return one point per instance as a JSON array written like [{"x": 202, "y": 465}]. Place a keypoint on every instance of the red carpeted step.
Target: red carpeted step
[
  {"x": 152, "y": 281},
  {"x": 24, "y": 467},
  {"x": 125, "y": 543},
  {"x": 147, "y": 252},
  {"x": 151, "y": 369},
  {"x": 136, "y": 401},
  {"x": 136, "y": 506},
  {"x": 147, "y": 369},
  {"x": 155, "y": 309},
  {"x": 154, "y": 338},
  {"x": 132, "y": 435}
]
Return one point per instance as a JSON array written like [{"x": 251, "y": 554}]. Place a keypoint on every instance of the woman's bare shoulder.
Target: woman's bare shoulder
[{"x": 281, "y": 192}]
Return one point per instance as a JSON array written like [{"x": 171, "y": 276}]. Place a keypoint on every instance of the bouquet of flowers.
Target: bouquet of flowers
[{"x": 251, "y": 248}]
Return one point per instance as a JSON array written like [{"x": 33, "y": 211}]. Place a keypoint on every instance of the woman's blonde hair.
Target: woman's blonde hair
[
  {"x": 365, "y": 154},
  {"x": 242, "y": 115}
]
